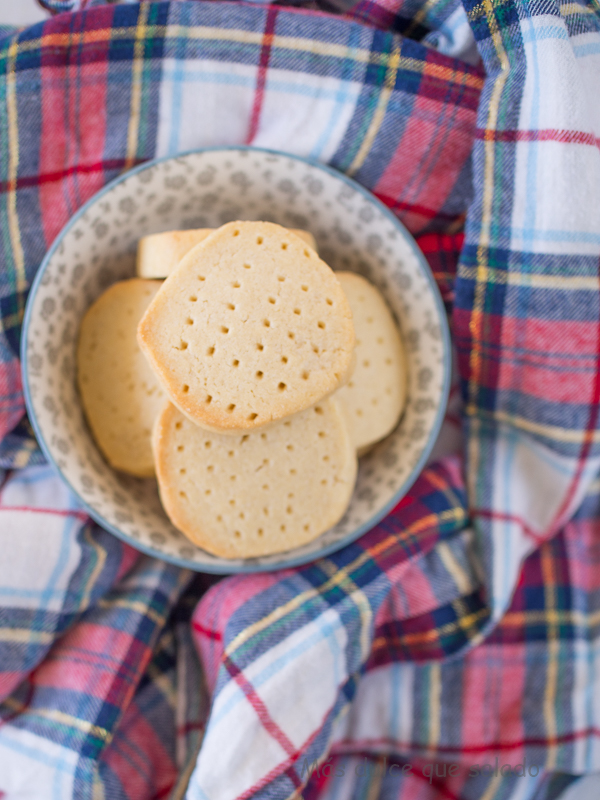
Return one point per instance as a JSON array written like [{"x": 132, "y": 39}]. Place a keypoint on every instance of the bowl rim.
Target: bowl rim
[{"x": 248, "y": 565}]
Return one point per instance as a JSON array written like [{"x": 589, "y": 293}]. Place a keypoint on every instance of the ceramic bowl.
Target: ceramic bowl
[{"x": 204, "y": 189}]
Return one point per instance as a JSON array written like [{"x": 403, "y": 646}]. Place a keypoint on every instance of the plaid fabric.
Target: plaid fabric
[{"x": 464, "y": 627}]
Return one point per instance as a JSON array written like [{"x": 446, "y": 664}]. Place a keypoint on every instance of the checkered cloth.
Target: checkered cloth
[{"x": 453, "y": 651}]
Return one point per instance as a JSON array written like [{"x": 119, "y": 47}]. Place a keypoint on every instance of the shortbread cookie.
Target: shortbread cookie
[
  {"x": 120, "y": 393},
  {"x": 250, "y": 328},
  {"x": 374, "y": 397},
  {"x": 159, "y": 253},
  {"x": 260, "y": 492}
]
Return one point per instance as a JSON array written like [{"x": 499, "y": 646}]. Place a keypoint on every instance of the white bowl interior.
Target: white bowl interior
[{"x": 206, "y": 189}]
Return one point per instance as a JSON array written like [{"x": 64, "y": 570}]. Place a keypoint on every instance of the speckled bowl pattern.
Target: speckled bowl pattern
[{"x": 201, "y": 190}]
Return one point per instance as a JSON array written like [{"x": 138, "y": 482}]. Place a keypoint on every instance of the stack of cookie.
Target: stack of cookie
[{"x": 271, "y": 395}]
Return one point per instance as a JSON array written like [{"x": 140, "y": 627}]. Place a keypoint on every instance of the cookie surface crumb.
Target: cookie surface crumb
[
  {"x": 374, "y": 397},
  {"x": 251, "y": 328},
  {"x": 257, "y": 493},
  {"x": 121, "y": 395}
]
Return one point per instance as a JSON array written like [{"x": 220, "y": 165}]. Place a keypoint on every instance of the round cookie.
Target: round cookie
[
  {"x": 121, "y": 395},
  {"x": 159, "y": 253},
  {"x": 256, "y": 493},
  {"x": 374, "y": 397},
  {"x": 250, "y": 328}
]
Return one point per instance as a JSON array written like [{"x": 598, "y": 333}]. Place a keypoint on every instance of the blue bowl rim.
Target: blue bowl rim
[{"x": 246, "y": 566}]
